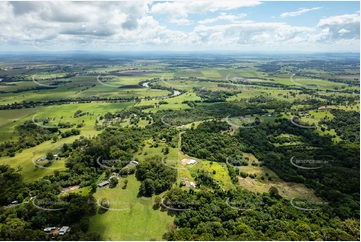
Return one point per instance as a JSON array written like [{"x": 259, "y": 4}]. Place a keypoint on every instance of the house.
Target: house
[
  {"x": 191, "y": 161},
  {"x": 64, "y": 230},
  {"x": 48, "y": 229},
  {"x": 104, "y": 183},
  {"x": 191, "y": 184}
]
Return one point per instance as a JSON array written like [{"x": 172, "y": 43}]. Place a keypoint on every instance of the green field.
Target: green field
[{"x": 139, "y": 221}]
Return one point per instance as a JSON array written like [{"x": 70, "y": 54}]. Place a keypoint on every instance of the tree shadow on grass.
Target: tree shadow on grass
[{"x": 102, "y": 210}]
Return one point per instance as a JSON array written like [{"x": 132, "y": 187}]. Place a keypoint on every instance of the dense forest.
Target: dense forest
[{"x": 221, "y": 215}]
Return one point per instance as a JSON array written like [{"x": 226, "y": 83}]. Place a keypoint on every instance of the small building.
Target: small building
[
  {"x": 191, "y": 184},
  {"x": 15, "y": 202},
  {"x": 134, "y": 162},
  {"x": 64, "y": 230},
  {"x": 48, "y": 229},
  {"x": 191, "y": 161},
  {"x": 104, "y": 183},
  {"x": 42, "y": 158}
]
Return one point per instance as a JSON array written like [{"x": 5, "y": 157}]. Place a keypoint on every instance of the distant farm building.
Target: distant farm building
[
  {"x": 104, "y": 183},
  {"x": 191, "y": 184},
  {"x": 191, "y": 161},
  {"x": 241, "y": 79}
]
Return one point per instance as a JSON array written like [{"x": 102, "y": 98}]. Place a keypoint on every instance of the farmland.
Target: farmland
[{"x": 189, "y": 130}]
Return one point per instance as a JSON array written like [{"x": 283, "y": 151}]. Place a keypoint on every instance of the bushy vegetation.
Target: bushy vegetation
[
  {"x": 208, "y": 142},
  {"x": 155, "y": 176},
  {"x": 240, "y": 215}
]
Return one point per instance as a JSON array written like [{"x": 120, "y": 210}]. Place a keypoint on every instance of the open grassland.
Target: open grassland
[
  {"x": 99, "y": 91},
  {"x": 287, "y": 190},
  {"x": 10, "y": 118},
  {"x": 65, "y": 113},
  {"x": 56, "y": 112},
  {"x": 174, "y": 103},
  {"x": 25, "y": 159},
  {"x": 138, "y": 220}
]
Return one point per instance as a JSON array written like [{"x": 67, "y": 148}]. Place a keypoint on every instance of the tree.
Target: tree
[
  {"x": 273, "y": 191},
  {"x": 20, "y": 168},
  {"x": 93, "y": 188},
  {"x": 113, "y": 182},
  {"x": 49, "y": 156},
  {"x": 147, "y": 187},
  {"x": 125, "y": 183},
  {"x": 84, "y": 224},
  {"x": 55, "y": 138},
  {"x": 157, "y": 201},
  {"x": 105, "y": 203}
]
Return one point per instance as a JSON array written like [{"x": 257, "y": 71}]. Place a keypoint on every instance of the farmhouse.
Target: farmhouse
[
  {"x": 104, "y": 183},
  {"x": 191, "y": 161}
]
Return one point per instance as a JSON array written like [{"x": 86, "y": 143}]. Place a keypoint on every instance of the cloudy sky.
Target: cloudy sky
[{"x": 241, "y": 25}]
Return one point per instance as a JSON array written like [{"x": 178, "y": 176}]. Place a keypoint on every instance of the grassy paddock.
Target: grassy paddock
[{"x": 139, "y": 221}]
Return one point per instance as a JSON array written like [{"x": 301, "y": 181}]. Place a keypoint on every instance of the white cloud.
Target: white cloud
[
  {"x": 224, "y": 16},
  {"x": 299, "y": 12},
  {"x": 181, "y": 21},
  {"x": 343, "y": 31},
  {"x": 345, "y": 26},
  {"x": 248, "y": 33},
  {"x": 131, "y": 26},
  {"x": 183, "y": 9}
]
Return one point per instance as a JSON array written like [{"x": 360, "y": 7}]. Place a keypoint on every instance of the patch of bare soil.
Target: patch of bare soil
[{"x": 184, "y": 161}]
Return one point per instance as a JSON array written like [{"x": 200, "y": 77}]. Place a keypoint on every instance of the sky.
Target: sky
[{"x": 198, "y": 25}]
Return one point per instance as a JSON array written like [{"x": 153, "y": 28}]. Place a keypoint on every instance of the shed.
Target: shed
[
  {"x": 134, "y": 162},
  {"x": 64, "y": 230},
  {"x": 104, "y": 183},
  {"x": 191, "y": 161},
  {"x": 48, "y": 229}
]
